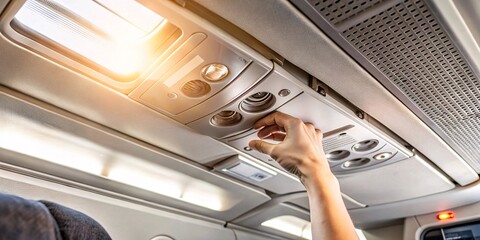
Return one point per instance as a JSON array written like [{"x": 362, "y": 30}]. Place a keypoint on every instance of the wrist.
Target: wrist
[{"x": 321, "y": 182}]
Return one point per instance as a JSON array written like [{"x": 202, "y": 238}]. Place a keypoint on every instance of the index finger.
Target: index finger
[{"x": 280, "y": 119}]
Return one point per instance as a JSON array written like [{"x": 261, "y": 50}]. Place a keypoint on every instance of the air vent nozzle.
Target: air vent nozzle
[{"x": 258, "y": 102}]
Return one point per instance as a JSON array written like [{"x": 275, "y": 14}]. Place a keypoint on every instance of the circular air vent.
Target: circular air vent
[
  {"x": 226, "y": 118},
  {"x": 365, "y": 146},
  {"x": 196, "y": 88},
  {"x": 355, "y": 163},
  {"x": 338, "y": 155},
  {"x": 258, "y": 102}
]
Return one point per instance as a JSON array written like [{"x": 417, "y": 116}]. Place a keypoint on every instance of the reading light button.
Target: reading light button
[
  {"x": 214, "y": 72},
  {"x": 172, "y": 95},
  {"x": 284, "y": 93}
]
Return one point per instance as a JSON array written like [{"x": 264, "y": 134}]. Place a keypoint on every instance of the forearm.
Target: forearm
[
  {"x": 329, "y": 217},
  {"x": 300, "y": 152}
]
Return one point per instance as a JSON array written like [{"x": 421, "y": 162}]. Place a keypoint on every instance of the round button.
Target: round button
[
  {"x": 172, "y": 95},
  {"x": 284, "y": 93}
]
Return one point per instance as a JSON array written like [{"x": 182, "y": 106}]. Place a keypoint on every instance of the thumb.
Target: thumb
[{"x": 261, "y": 146}]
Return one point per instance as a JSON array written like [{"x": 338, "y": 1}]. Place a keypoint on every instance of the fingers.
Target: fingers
[
  {"x": 319, "y": 136},
  {"x": 277, "y": 136},
  {"x": 277, "y": 118},
  {"x": 261, "y": 146},
  {"x": 267, "y": 131},
  {"x": 310, "y": 127}
]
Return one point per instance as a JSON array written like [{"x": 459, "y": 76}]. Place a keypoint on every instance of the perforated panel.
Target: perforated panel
[
  {"x": 336, "y": 11},
  {"x": 407, "y": 49},
  {"x": 337, "y": 141}
]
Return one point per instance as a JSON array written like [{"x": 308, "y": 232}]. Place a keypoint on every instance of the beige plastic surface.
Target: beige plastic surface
[{"x": 3, "y": 4}]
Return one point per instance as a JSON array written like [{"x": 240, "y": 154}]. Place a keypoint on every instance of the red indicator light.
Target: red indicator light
[{"x": 445, "y": 215}]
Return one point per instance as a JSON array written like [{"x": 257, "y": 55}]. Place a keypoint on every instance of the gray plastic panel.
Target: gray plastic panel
[
  {"x": 328, "y": 119},
  {"x": 166, "y": 94},
  {"x": 318, "y": 55},
  {"x": 349, "y": 203},
  {"x": 274, "y": 83},
  {"x": 242, "y": 235},
  {"x": 63, "y": 134},
  {"x": 395, "y": 182},
  {"x": 123, "y": 219},
  {"x": 277, "y": 180},
  {"x": 281, "y": 209},
  {"x": 406, "y": 48},
  {"x": 464, "y": 214}
]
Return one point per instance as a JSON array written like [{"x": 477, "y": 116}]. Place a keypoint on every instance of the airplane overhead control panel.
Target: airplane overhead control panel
[{"x": 203, "y": 77}]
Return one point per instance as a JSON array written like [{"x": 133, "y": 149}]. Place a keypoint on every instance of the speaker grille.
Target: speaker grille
[
  {"x": 336, "y": 142},
  {"x": 336, "y": 11},
  {"x": 407, "y": 46}
]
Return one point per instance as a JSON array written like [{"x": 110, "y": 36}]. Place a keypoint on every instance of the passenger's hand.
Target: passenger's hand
[{"x": 300, "y": 149}]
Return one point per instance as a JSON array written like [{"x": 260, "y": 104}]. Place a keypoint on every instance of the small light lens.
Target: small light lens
[
  {"x": 383, "y": 156},
  {"x": 445, "y": 215},
  {"x": 284, "y": 93},
  {"x": 214, "y": 72}
]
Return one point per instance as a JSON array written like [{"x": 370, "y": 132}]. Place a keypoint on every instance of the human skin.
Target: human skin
[{"x": 300, "y": 152}]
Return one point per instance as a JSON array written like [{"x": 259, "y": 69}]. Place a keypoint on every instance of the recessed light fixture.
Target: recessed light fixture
[
  {"x": 214, "y": 72},
  {"x": 291, "y": 225},
  {"x": 169, "y": 183},
  {"x": 34, "y": 140},
  {"x": 297, "y": 226},
  {"x": 115, "y": 35},
  {"x": 52, "y": 145}
]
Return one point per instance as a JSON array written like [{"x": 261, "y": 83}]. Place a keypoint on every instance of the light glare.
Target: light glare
[
  {"x": 61, "y": 149},
  {"x": 214, "y": 72},
  {"x": 48, "y": 144},
  {"x": 104, "y": 32},
  {"x": 169, "y": 183},
  {"x": 290, "y": 224},
  {"x": 297, "y": 226}
]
